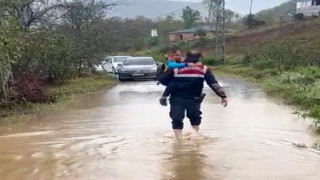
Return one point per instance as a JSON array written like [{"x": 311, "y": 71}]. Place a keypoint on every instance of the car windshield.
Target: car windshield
[
  {"x": 120, "y": 59},
  {"x": 139, "y": 61}
]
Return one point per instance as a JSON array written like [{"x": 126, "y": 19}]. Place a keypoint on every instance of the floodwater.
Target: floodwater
[{"x": 124, "y": 134}]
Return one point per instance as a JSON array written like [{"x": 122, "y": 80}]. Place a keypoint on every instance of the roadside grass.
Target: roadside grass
[{"x": 62, "y": 96}]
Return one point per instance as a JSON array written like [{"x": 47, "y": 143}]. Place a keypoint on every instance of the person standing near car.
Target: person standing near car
[{"x": 187, "y": 92}]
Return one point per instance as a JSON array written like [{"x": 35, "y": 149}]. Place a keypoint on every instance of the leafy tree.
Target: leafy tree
[
  {"x": 153, "y": 41},
  {"x": 9, "y": 51},
  {"x": 232, "y": 19},
  {"x": 248, "y": 20},
  {"x": 169, "y": 18},
  {"x": 30, "y": 12},
  {"x": 252, "y": 21},
  {"x": 45, "y": 42},
  {"x": 200, "y": 32},
  {"x": 190, "y": 16},
  {"x": 48, "y": 41},
  {"x": 84, "y": 23}
]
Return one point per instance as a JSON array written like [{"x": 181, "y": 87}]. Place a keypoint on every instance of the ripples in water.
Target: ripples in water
[{"x": 124, "y": 134}]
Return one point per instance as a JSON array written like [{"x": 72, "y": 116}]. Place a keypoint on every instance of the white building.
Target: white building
[
  {"x": 308, "y": 7},
  {"x": 154, "y": 33},
  {"x": 301, "y": 4}
]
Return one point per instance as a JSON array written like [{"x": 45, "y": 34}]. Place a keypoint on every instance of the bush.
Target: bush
[
  {"x": 153, "y": 41},
  {"x": 234, "y": 60},
  {"x": 211, "y": 61},
  {"x": 260, "y": 63},
  {"x": 201, "y": 42},
  {"x": 157, "y": 56},
  {"x": 246, "y": 60},
  {"x": 28, "y": 88},
  {"x": 289, "y": 54},
  {"x": 165, "y": 49}
]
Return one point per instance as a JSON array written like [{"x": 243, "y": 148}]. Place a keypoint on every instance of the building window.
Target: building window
[
  {"x": 315, "y": 2},
  {"x": 179, "y": 37}
]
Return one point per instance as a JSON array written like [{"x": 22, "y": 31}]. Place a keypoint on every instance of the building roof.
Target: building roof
[{"x": 194, "y": 30}]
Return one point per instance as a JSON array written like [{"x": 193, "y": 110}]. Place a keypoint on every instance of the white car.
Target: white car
[
  {"x": 99, "y": 68},
  {"x": 112, "y": 62}
]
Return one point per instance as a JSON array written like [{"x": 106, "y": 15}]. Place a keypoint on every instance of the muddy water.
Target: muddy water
[{"x": 124, "y": 134}]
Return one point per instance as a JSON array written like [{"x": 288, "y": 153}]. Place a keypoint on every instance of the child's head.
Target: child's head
[{"x": 175, "y": 55}]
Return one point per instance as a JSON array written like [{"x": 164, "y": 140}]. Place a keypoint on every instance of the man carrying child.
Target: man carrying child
[{"x": 185, "y": 85}]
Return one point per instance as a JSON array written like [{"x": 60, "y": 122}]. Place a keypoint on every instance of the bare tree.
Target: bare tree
[{"x": 29, "y": 12}]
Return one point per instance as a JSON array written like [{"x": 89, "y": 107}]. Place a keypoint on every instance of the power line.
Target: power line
[{"x": 158, "y": 17}]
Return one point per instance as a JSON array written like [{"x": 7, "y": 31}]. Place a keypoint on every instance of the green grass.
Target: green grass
[
  {"x": 80, "y": 86},
  {"x": 63, "y": 95}
]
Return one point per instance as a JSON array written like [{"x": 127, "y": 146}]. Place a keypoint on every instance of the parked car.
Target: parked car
[
  {"x": 98, "y": 68},
  {"x": 112, "y": 62},
  {"x": 138, "y": 68}
]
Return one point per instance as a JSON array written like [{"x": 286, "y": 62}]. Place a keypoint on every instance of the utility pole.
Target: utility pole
[
  {"x": 251, "y": 7},
  {"x": 217, "y": 14},
  {"x": 250, "y": 15}
]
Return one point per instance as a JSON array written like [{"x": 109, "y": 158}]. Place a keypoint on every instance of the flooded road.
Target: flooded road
[{"x": 124, "y": 134}]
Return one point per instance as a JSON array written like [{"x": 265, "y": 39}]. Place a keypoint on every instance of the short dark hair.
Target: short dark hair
[
  {"x": 173, "y": 51},
  {"x": 194, "y": 54}
]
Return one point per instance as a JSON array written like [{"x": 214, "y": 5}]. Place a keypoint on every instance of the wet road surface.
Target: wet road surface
[{"x": 123, "y": 134}]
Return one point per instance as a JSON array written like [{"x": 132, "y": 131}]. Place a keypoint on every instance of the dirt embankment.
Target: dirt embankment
[{"x": 247, "y": 39}]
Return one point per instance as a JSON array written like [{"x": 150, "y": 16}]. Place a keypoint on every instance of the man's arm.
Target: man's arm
[
  {"x": 166, "y": 77},
  {"x": 214, "y": 85}
]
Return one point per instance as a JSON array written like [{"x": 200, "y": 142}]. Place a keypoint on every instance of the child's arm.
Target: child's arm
[{"x": 172, "y": 64}]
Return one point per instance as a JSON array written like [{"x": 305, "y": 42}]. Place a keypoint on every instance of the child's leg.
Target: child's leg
[
  {"x": 166, "y": 93},
  {"x": 163, "y": 99}
]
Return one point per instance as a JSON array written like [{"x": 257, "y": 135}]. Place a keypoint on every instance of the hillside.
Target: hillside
[
  {"x": 308, "y": 30},
  {"x": 250, "y": 39},
  {"x": 279, "y": 13},
  {"x": 285, "y": 59}
]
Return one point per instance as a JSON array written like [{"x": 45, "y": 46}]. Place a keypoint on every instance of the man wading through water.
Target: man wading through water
[
  {"x": 174, "y": 60},
  {"x": 186, "y": 89}
]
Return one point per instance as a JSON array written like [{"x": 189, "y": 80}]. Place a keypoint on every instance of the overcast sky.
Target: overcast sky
[
  {"x": 155, "y": 8},
  {"x": 243, "y": 6}
]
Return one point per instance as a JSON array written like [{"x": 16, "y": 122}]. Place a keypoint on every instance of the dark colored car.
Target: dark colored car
[{"x": 138, "y": 68}]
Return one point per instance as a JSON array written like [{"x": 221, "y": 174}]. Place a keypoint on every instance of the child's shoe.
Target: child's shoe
[{"x": 163, "y": 101}]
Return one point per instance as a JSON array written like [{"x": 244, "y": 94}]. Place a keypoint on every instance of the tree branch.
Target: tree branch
[{"x": 37, "y": 16}]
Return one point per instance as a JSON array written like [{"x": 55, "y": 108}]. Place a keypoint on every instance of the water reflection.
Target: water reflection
[
  {"x": 187, "y": 160},
  {"x": 184, "y": 162}
]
